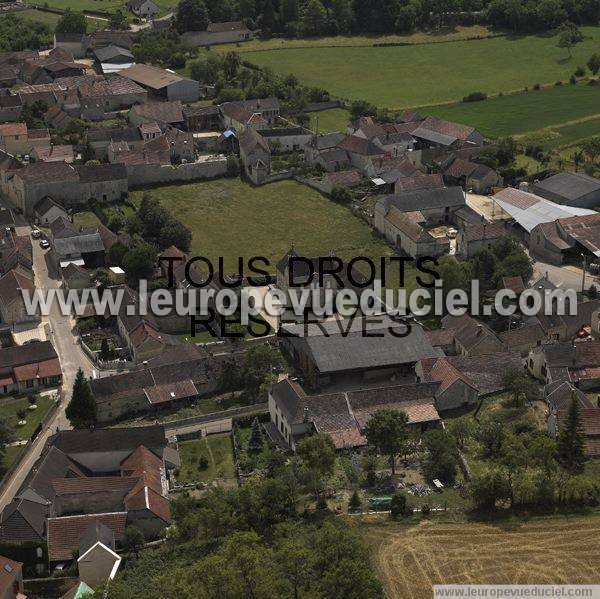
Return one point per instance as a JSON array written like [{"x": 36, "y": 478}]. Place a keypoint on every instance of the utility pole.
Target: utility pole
[{"x": 584, "y": 257}]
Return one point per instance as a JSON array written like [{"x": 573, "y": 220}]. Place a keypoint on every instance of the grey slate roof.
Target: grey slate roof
[
  {"x": 368, "y": 344},
  {"x": 96, "y": 532},
  {"x": 570, "y": 186},
  {"x": 108, "y": 53},
  {"x": 424, "y": 199}
]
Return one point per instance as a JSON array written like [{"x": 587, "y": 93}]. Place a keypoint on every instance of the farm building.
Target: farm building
[
  {"x": 574, "y": 189},
  {"x": 163, "y": 83},
  {"x": 362, "y": 350},
  {"x": 218, "y": 33}
]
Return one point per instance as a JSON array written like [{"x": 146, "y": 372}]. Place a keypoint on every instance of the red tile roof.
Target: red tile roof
[
  {"x": 46, "y": 368},
  {"x": 64, "y": 533}
]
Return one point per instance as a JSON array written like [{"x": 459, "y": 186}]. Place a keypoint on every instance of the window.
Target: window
[{"x": 29, "y": 383}]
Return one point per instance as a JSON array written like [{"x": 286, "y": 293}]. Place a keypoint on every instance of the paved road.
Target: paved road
[
  {"x": 565, "y": 277},
  {"x": 71, "y": 357}
]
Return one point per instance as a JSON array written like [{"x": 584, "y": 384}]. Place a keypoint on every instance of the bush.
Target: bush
[
  {"x": 354, "y": 505},
  {"x": 425, "y": 510},
  {"x": 203, "y": 463},
  {"x": 558, "y": 84},
  {"x": 537, "y": 87},
  {"x": 579, "y": 71},
  {"x": 398, "y": 507},
  {"x": 475, "y": 97},
  {"x": 572, "y": 80}
]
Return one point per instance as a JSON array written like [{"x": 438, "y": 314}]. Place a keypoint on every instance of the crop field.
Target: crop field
[
  {"x": 523, "y": 112},
  {"x": 403, "y": 76},
  {"x": 410, "y": 559},
  {"x": 108, "y": 6}
]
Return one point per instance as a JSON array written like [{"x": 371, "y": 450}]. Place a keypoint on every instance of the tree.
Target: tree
[
  {"x": 191, "y": 15},
  {"x": 491, "y": 435},
  {"x": 342, "y": 12},
  {"x": 7, "y": 435},
  {"x": 317, "y": 452},
  {"x": 593, "y": 63},
  {"x": 398, "y": 506},
  {"x": 174, "y": 232},
  {"x": 569, "y": 35},
  {"x": 288, "y": 12},
  {"x": 483, "y": 267},
  {"x": 591, "y": 148},
  {"x": 360, "y": 108},
  {"x": 341, "y": 195},
  {"x": 231, "y": 65},
  {"x": 139, "y": 262},
  {"x": 520, "y": 386},
  {"x": 105, "y": 351},
  {"x": 72, "y": 22},
  {"x": 355, "y": 503},
  {"x": 255, "y": 441},
  {"x": 81, "y": 410},
  {"x": 489, "y": 487},
  {"x": 260, "y": 362},
  {"x": 313, "y": 18},
  {"x": 118, "y": 20},
  {"x": 441, "y": 460},
  {"x": 267, "y": 18},
  {"x": 462, "y": 430},
  {"x": 207, "y": 68},
  {"x": 571, "y": 441},
  {"x": 133, "y": 539},
  {"x": 302, "y": 119},
  {"x": 386, "y": 431},
  {"x": 117, "y": 253}
]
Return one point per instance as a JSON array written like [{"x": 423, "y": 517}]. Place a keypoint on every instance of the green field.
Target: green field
[
  {"x": 48, "y": 18},
  {"x": 519, "y": 113},
  {"x": 230, "y": 218},
  {"x": 219, "y": 452},
  {"x": 402, "y": 76},
  {"x": 326, "y": 121},
  {"x": 107, "y": 6}
]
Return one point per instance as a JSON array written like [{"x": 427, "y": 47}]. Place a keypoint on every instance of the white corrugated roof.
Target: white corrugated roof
[{"x": 530, "y": 210}]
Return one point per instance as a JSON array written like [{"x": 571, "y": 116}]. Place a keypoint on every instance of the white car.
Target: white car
[
  {"x": 36, "y": 233},
  {"x": 451, "y": 233},
  {"x": 44, "y": 244}
]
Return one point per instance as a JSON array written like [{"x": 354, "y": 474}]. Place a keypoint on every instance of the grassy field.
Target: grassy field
[
  {"x": 519, "y": 113},
  {"x": 230, "y": 218},
  {"x": 326, "y": 121},
  {"x": 108, "y": 6},
  {"x": 402, "y": 76},
  {"x": 86, "y": 219},
  {"x": 419, "y": 37},
  {"x": 10, "y": 406},
  {"x": 47, "y": 18},
  {"x": 410, "y": 559},
  {"x": 218, "y": 450}
]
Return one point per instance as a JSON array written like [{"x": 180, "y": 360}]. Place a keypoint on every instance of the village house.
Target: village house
[
  {"x": 29, "y": 368},
  {"x": 202, "y": 118},
  {"x": 10, "y": 108},
  {"x": 365, "y": 349},
  {"x": 463, "y": 380},
  {"x": 74, "y": 43},
  {"x": 47, "y": 211},
  {"x": 114, "y": 93},
  {"x": 471, "y": 338},
  {"x": 472, "y": 238},
  {"x": 70, "y": 185},
  {"x": 362, "y": 153},
  {"x": 11, "y": 578},
  {"x": 13, "y": 309},
  {"x": 145, "y": 9},
  {"x": 471, "y": 176},
  {"x": 97, "y": 560},
  {"x": 238, "y": 118},
  {"x": 286, "y": 139},
  {"x": 172, "y": 379},
  {"x": 163, "y": 84},
  {"x": 17, "y": 139},
  {"x": 77, "y": 245},
  {"x": 343, "y": 416},
  {"x": 163, "y": 113},
  {"x": 255, "y": 156},
  {"x": 229, "y": 32},
  {"x": 393, "y": 138},
  {"x": 53, "y": 154},
  {"x": 590, "y": 428},
  {"x": 435, "y": 132}
]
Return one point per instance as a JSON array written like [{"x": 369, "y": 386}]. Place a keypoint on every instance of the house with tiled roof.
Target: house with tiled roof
[
  {"x": 471, "y": 337},
  {"x": 362, "y": 153},
  {"x": 471, "y": 176},
  {"x": 394, "y": 140},
  {"x": 463, "y": 380},
  {"x": 17, "y": 139},
  {"x": 589, "y": 427},
  {"x": 11, "y": 578},
  {"x": 477, "y": 236},
  {"x": 113, "y": 93},
  {"x": 229, "y": 32},
  {"x": 53, "y": 153},
  {"x": 164, "y": 113},
  {"x": 163, "y": 84},
  {"x": 13, "y": 309},
  {"x": 342, "y": 416},
  {"x": 436, "y": 132},
  {"x": 170, "y": 379},
  {"x": 97, "y": 560},
  {"x": 255, "y": 155}
]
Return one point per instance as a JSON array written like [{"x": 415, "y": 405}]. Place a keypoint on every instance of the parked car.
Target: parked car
[
  {"x": 36, "y": 233},
  {"x": 44, "y": 244}
]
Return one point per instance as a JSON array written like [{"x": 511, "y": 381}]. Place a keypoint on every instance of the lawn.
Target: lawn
[
  {"x": 10, "y": 406},
  {"x": 523, "y": 112},
  {"x": 409, "y": 559},
  {"x": 327, "y": 121},
  {"x": 572, "y": 134},
  {"x": 415, "y": 75},
  {"x": 10, "y": 455},
  {"x": 219, "y": 451},
  {"x": 86, "y": 219},
  {"x": 48, "y": 18},
  {"x": 230, "y": 218}
]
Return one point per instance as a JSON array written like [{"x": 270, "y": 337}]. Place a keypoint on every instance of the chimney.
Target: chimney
[{"x": 479, "y": 329}]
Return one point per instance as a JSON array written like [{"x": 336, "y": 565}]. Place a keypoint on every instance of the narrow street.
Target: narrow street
[{"x": 71, "y": 357}]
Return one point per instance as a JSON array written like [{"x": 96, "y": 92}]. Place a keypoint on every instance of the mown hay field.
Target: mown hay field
[{"x": 410, "y": 559}]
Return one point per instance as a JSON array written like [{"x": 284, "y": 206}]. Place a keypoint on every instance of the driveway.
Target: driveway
[{"x": 72, "y": 357}]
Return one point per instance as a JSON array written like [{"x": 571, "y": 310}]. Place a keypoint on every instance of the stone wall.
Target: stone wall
[{"x": 150, "y": 174}]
